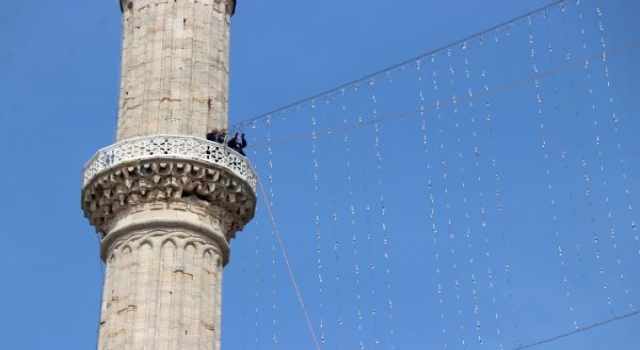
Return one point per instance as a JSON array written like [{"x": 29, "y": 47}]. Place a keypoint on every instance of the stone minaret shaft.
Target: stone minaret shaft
[
  {"x": 165, "y": 201},
  {"x": 175, "y": 59}
]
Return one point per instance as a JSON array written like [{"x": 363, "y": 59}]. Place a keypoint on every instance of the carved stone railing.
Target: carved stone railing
[{"x": 162, "y": 146}]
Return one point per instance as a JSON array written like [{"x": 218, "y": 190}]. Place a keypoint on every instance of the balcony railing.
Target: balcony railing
[{"x": 169, "y": 147}]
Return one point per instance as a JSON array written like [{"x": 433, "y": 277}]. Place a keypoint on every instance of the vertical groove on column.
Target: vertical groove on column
[
  {"x": 195, "y": 314},
  {"x": 154, "y": 292},
  {"x": 209, "y": 266},
  {"x": 224, "y": 62},
  {"x": 124, "y": 78},
  {"x": 217, "y": 280},
  {"x": 165, "y": 299},
  {"x": 217, "y": 68},
  {"x": 177, "y": 67},
  {"x": 163, "y": 9},
  {"x": 201, "y": 326},
  {"x": 142, "y": 279},
  {"x": 129, "y": 307},
  {"x": 176, "y": 61},
  {"x": 107, "y": 295},
  {"x": 187, "y": 74},
  {"x": 209, "y": 63},
  {"x": 186, "y": 333},
  {"x": 167, "y": 57},
  {"x": 153, "y": 91},
  {"x": 143, "y": 66},
  {"x": 178, "y": 295},
  {"x": 151, "y": 99},
  {"x": 135, "y": 76},
  {"x": 120, "y": 301}
]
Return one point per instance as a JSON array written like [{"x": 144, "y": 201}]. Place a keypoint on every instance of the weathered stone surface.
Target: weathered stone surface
[
  {"x": 175, "y": 65},
  {"x": 165, "y": 201},
  {"x": 162, "y": 291}
]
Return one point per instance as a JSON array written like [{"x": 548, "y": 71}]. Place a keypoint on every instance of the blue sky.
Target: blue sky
[{"x": 58, "y": 87}]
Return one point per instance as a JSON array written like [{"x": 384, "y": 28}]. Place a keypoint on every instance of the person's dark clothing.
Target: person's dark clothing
[
  {"x": 237, "y": 145},
  {"x": 216, "y": 136}
]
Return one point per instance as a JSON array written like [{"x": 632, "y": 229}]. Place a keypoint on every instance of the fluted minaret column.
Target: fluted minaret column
[
  {"x": 165, "y": 201},
  {"x": 175, "y": 65}
]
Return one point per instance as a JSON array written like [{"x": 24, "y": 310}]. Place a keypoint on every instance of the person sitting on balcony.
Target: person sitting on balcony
[
  {"x": 237, "y": 143},
  {"x": 216, "y": 135}
]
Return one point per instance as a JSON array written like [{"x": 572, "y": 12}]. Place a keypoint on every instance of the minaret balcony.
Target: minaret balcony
[{"x": 167, "y": 170}]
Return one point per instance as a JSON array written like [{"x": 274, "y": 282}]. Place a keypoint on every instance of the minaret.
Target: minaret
[{"x": 165, "y": 201}]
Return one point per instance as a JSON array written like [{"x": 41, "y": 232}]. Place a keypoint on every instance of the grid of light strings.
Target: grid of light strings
[{"x": 475, "y": 197}]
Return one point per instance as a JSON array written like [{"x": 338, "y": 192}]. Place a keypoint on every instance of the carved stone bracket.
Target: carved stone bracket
[{"x": 169, "y": 172}]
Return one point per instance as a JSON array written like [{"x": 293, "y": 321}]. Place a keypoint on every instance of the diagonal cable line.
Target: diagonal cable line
[
  {"x": 285, "y": 256},
  {"x": 576, "y": 331},
  {"x": 346, "y": 86},
  {"x": 509, "y": 85}
]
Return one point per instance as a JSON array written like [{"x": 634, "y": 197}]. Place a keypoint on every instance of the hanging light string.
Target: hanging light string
[
  {"x": 587, "y": 174},
  {"x": 243, "y": 336},
  {"x": 564, "y": 162},
  {"x": 318, "y": 227},
  {"x": 355, "y": 239},
  {"x": 573, "y": 192},
  {"x": 485, "y": 205},
  {"x": 456, "y": 234},
  {"x": 450, "y": 235},
  {"x": 400, "y": 66},
  {"x": 287, "y": 265},
  {"x": 258, "y": 280},
  {"x": 616, "y": 122},
  {"x": 602, "y": 146},
  {"x": 476, "y": 165},
  {"x": 273, "y": 264},
  {"x": 547, "y": 143},
  {"x": 260, "y": 300},
  {"x": 337, "y": 242},
  {"x": 507, "y": 270},
  {"x": 379, "y": 147},
  {"x": 368, "y": 206},
  {"x": 378, "y": 156},
  {"x": 432, "y": 208},
  {"x": 443, "y": 103},
  {"x": 470, "y": 234},
  {"x": 274, "y": 292}
]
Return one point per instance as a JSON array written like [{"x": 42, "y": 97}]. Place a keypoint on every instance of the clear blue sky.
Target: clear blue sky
[{"x": 59, "y": 65}]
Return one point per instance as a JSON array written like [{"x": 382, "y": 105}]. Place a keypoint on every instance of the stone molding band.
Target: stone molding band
[{"x": 141, "y": 229}]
